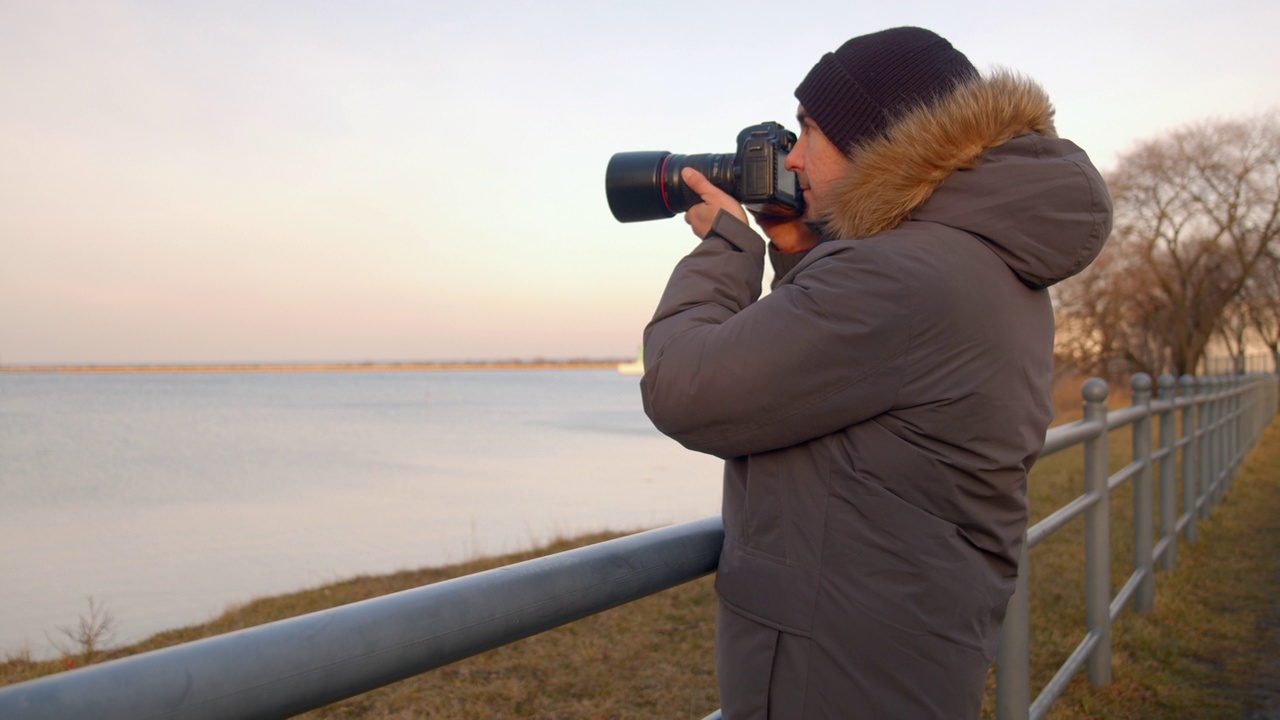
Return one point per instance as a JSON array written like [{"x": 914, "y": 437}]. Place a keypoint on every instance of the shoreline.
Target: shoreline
[{"x": 320, "y": 367}]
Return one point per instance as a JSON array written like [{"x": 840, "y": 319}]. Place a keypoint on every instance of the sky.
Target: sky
[{"x": 244, "y": 181}]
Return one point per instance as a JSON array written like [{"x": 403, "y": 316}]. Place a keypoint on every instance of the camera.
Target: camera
[{"x": 647, "y": 186}]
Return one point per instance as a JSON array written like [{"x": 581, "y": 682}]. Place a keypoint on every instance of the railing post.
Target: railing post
[
  {"x": 1229, "y": 428},
  {"x": 1013, "y": 656},
  {"x": 1097, "y": 534},
  {"x": 1220, "y": 436},
  {"x": 1168, "y": 488},
  {"x": 1219, "y": 444},
  {"x": 1264, "y": 399},
  {"x": 1189, "y": 456},
  {"x": 1204, "y": 449},
  {"x": 1225, "y": 458},
  {"x": 1252, "y": 399},
  {"x": 1143, "y": 501},
  {"x": 1235, "y": 408}
]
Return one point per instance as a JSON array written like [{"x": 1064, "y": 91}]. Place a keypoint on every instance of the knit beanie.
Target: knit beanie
[{"x": 854, "y": 93}]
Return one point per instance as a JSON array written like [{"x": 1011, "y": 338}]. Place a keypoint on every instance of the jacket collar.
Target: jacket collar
[{"x": 889, "y": 177}]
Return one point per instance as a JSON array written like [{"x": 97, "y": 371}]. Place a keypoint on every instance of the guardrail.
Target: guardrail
[
  {"x": 1221, "y": 419},
  {"x": 287, "y": 667}
]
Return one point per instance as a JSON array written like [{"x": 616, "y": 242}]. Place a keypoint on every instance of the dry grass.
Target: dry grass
[
  {"x": 1205, "y": 652},
  {"x": 652, "y": 658}
]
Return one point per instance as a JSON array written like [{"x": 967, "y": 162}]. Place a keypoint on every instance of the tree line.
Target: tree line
[{"x": 1193, "y": 260}]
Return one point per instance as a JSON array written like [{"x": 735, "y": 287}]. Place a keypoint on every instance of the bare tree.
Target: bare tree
[
  {"x": 1233, "y": 330},
  {"x": 1196, "y": 213},
  {"x": 1262, "y": 304},
  {"x": 91, "y": 635},
  {"x": 1111, "y": 320}
]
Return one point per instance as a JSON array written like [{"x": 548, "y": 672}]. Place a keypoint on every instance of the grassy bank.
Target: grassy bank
[{"x": 1207, "y": 651}]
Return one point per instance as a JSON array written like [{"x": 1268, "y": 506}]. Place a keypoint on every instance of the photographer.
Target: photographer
[{"x": 879, "y": 409}]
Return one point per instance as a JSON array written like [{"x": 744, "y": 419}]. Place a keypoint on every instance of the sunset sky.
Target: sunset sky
[{"x": 267, "y": 181}]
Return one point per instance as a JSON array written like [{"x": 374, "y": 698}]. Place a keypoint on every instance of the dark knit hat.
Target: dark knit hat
[{"x": 854, "y": 93}]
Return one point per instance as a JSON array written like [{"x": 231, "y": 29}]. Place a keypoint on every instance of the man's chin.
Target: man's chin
[{"x": 818, "y": 228}]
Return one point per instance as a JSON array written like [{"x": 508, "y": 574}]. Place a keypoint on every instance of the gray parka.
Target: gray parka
[{"x": 879, "y": 409}]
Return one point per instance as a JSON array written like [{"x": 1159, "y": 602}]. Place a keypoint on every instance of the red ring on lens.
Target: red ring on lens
[{"x": 662, "y": 184}]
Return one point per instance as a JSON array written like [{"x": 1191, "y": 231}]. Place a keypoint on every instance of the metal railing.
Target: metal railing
[
  {"x": 290, "y": 666},
  {"x": 1221, "y": 419},
  {"x": 287, "y": 667}
]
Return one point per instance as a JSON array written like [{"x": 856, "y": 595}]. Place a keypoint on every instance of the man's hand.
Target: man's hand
[
  {"x": 714, "y": 200},
  {"x": 789, "y": 235}
]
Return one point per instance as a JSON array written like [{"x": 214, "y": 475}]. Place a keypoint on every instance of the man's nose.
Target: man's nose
[{"x": 792, "y": 162}]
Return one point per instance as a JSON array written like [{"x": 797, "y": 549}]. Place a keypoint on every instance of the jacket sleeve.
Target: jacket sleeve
[{"x": 731, "y": 374}]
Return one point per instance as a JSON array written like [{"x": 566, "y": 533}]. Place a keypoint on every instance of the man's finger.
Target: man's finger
[{"x": 697, "y": 182}]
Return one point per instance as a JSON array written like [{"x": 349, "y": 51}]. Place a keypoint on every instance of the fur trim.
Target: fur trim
[{"x": 891, "y": 176}]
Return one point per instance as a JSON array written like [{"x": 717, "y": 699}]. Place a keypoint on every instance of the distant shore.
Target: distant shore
[{"x": 322, "y": 367}]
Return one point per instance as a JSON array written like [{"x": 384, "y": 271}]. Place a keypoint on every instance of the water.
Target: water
[{"x": 170, "y": 497}]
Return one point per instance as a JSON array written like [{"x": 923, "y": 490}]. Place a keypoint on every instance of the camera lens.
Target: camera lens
[
  {"x": 720, "y": 169},
  {"x": 647, "y": 185},
  {"x": 633, "y": 185}
]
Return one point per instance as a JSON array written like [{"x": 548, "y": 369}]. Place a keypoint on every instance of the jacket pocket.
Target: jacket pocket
[
  {"x": 769, "y": 592},
  {"x": 773, "y": 510},
  {"x": 764, "y": 508}
]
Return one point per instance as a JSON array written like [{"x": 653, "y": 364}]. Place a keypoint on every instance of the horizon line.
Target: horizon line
[{"x": 367, "y": 365}]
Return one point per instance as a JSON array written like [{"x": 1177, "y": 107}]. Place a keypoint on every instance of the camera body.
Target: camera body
[{"x": 647, "y": 185}]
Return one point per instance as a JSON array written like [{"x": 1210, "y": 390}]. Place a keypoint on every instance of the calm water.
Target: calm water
[{"x": 169, "y": 497}]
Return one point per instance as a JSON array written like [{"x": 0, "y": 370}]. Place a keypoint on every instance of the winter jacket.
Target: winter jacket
[{"x": 879, "y": 409}]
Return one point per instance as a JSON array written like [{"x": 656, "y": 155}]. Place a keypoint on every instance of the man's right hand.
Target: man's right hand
[
  {"x": 789, "y": 235},
  {"x": 701, "y": 216}
]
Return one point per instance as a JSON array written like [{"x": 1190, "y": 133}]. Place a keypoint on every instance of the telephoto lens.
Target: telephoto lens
[{"x": 646, "y": 185}]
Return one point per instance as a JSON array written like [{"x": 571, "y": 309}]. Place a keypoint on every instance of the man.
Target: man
[{"x": 879, "y": 409}]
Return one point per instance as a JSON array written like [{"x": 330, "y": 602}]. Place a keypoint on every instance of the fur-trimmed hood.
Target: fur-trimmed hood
[{"x": 986, "y": 159}]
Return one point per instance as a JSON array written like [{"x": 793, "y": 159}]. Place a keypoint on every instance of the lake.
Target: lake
[{"x": 169, "y": 497}]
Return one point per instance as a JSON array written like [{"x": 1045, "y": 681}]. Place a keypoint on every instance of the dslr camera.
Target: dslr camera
[{"x": 647, "y": 186}]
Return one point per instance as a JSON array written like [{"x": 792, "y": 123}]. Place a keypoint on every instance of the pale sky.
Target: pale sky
[{"x": 267, "y": 181}]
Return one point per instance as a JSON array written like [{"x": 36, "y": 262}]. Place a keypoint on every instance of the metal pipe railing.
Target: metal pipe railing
[
  {"x": 287, "y": 667},
  {"x": 1222, "y": 419}
]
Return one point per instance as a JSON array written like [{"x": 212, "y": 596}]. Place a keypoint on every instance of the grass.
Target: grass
[{"x": 1206, "y": 651}]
